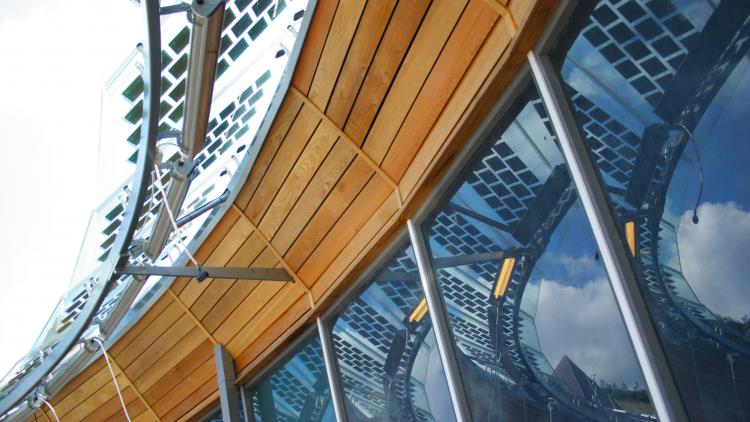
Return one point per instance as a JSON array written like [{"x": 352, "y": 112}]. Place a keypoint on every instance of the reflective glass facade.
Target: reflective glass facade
[
  {"x": 659, "y": 91},
  {"x": 297, "y": 390},
  {"x": 386, "y": 350},
  {"x": 657, "y": 94},
  {"x": 534, "y": 323}
]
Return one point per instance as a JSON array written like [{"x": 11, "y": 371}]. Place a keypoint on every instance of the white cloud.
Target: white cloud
[
  {"x": 714, "y": 257},
  {"x": 584, "y": 324}
]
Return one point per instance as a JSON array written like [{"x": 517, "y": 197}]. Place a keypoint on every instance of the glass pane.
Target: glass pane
[
  {"x": 387, "y": 353},
  {"x": 537, "y": 332},
  {"x": 297, "y": 390},
  {"x": 659, "y": 90}
]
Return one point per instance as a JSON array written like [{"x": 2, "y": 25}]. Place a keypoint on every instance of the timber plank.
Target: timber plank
[
  {"x": 339, "y": 38},
  {"x": 279, "y": 302},
  {"x": 219, "y": 257},
  {"x": 346, "y": 227},
  {"x": 203, "y": 408},
  {"x": 277, "y": 333},
  {"x": 153, "y": 313},
  {"x": 284, "y": 119},
  {"x": 179, "y": 372},
  {"x": 95, "y": 400},
  {"x": 249, "y": 250},
  {"x": 150, "y": 335},
  {"x": 113, "y": 405},
  {"x": 476, "y": 77},
  {"x": 183, "y": 348},
  {"x": 350, "y": 185},
  {"x": 98, "y": 381},
  {"x": 180, "y": 392},
  {"x": 226, "y": 224},
  {"x": 424, "y": 51},
  {"x": 239, "y": 294},
  {"x": 136, "y": 408},
  {"x": 361, "y": 53},
  {"x": 247, "y": 310},
  {"x": 188, "y": 402},
  {"x": 299, "y": 176},
  {"x": 160, "y": 346},
  {"x": 388, "y": 58},
  {"x": 79, "y": 383},
  {"x": 324, "y": 181},
  {"x": 468, "y": 36},
  {"x": 293, "y": 145},
  {"x": 313, "y": 47},
  {"x": 348, "y": 257}
]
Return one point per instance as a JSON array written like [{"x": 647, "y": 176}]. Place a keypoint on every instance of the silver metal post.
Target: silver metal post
[
  {"x": 632, "y": 305},
  {"x": 440, "y": 324},
  {"x": 332, "y": 371},
  {"x": 247, "y": 405},
  {"x": 230, "y": 406}
]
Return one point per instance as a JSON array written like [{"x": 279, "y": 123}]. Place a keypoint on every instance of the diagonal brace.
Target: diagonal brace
[{"x": 234, "y": 273}]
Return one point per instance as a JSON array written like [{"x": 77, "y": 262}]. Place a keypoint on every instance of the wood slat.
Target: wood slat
[
  {"x": 179, "y": 372},
  {"x": 390, "y": 53},
  {"x": 313, "y": 46},
  {"x": 361, "y": 52},
  {"x": 459, "y": 52},
  {"x": 352, "y": 182},
  {"x": 474, "y": 79},
  {"x": 337, "y": 44},
  {"x": 424, "y": 51}
]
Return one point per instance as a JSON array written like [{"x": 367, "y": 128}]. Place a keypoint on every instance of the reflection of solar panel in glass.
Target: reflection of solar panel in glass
[
  {"x": 299, "y": 388},
  {"x": 504, "y": 182},
  {"x": 644, "y": 43},
  {"x": 377, "y": 345},
  {"x": 613, "y": 145}
]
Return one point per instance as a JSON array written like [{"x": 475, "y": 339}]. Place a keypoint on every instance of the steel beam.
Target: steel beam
[
  {"x": 233, "y": 273},
  {"x": 228, "y": 392},
  {"x": 208, "y": 206}
]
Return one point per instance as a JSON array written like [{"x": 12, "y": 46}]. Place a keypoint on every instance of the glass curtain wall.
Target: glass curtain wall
[
  {"x": 386, "y": 352},
  {"x": 534, "y": 323},
  {"x": 660, "y": 93},
  {"x": 296, "y": 391}
]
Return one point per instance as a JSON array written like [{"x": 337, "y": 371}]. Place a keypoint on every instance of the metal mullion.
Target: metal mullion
[
  {"x": 334, "y": 384},
  {"x": 440, "y": 324},
  {"x": 633, "y": 308}
]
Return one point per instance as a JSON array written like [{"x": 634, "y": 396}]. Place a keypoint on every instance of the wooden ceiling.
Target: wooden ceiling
[{"x": 384, "y": 94}]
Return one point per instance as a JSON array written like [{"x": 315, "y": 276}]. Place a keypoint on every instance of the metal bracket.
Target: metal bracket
[
  {"x": 201, "y": 273},
  {"x": 175, "y": 8},
  {"x": 208, "y": 206}
]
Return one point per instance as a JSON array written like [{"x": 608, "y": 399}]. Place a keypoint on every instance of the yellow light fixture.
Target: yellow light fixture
[
  {"x": 504, "y": 277},
  {"x": 419, "y": 312},
  {"x": 630, "y": 236}
]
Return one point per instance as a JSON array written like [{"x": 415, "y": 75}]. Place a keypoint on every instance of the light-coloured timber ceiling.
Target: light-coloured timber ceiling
[{"x": 384, "y": 94}]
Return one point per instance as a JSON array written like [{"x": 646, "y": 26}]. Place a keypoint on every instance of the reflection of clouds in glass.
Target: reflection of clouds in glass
[
  {"x": 714, "y": 257},
  {"x": 584, "y": 324}
]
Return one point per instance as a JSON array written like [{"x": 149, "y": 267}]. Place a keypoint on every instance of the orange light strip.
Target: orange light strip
[
  {"x": 504, "y": 277},
  {"x": 630, "y": 236},
  {"x": 419, "y": 312}
]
